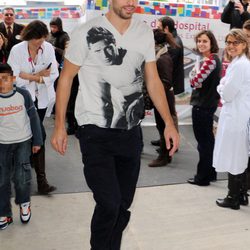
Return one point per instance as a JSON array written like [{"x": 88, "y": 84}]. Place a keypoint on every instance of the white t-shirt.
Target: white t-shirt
[{"x": 111, "y": 73}]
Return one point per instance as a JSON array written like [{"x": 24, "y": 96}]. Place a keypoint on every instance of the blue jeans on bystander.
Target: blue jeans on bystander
[{"x": 14, "y": 165}]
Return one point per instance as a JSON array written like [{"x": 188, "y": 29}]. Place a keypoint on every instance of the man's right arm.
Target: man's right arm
[{"x": 59, "y": 136}]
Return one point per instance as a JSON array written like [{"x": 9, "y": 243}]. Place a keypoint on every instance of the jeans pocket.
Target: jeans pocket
[{"x": 26, "y": 169}]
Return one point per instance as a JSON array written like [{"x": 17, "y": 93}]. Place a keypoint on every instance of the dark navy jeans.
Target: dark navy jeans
[
  {"x": 14, "y": 165},
  {"x": 203, "y": 132},
  {"x": 111, "y": 160}
]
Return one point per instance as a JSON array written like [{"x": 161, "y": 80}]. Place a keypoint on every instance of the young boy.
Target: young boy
[{"x": 19, "y": 128}]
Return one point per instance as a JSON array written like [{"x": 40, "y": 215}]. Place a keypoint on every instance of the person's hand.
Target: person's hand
[
  {"x": 45, "y": 72},
  {"x": 238, "y": 6},
  {"x": 59, "y": 140},
  {"x": 172, "y": 138},
  {"x": 35, "y": 149}
]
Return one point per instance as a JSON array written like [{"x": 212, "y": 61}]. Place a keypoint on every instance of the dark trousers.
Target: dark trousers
[
  {"x": 38, "y": 159},
  {"x": 14, "y": 165},
  {"x": 160, "y": 125},
  {"x": 111, "y": 160},
  {"x": 203, "y": 132},
  {"x": 248, "y": 174},
  {"x": 72, "y": 123}
]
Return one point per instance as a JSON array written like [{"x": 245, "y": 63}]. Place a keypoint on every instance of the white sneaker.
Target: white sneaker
[
  {"x": 5, "y": 221},
  {"x": 25, "y": 212}
]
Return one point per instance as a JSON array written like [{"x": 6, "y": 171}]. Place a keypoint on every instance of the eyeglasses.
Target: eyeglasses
[
  {"x": 8, "y": 14},
  {"x": 234, "y": 43}
]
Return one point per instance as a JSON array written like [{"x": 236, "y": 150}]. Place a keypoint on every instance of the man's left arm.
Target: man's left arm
[{"x": 157, "y": 94}]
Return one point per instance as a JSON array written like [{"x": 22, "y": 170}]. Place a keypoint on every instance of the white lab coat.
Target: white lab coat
[
  {"x": 19, "y": 61},
  {"x": 231, "y": 142}
]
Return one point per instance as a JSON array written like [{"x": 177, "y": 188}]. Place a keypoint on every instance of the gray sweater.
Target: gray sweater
[{"x": 19, "y": 120}]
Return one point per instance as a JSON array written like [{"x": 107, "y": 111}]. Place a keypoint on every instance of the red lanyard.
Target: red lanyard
[{"x": 33, "y": 63}]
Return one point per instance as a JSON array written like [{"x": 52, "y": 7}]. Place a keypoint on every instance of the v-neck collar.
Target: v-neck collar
[{"x": 114, "y": 28}]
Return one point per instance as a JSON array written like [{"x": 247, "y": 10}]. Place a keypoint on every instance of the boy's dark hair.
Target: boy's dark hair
[
  {"x": 5, "y": 68},
  {"x": 34, "y": 30},
  {"x": 246, "y": 25}
]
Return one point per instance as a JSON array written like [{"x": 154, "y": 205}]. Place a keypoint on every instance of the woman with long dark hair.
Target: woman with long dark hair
[{"x": 204, "y": 78}]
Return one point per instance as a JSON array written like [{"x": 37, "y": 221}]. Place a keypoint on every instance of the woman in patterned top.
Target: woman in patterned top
[{"x": 204, "y": 79}]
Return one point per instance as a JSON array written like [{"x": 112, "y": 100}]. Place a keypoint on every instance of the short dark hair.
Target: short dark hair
[
  {"x": 34, "y": 30},
  {"x": 213, "y": 41},
  {"x": 246, "y": 25},
  {"x": 167, "y": 21},
  {"x": 5, "y": 68},
  {"x": 8, "y": 8}
]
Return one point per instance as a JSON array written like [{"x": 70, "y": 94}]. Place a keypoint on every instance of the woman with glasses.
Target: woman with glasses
[
  {"x": 204, "y": 78},
  {"x": 232, "y": 137},
  {"x": 34, "y": 65}
]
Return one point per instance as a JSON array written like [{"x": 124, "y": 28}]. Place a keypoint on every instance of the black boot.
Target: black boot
[
  {"x": 244, "y": 199},
  {"x": 163, "y": 158},
  {"x": 230, "y": 202},
  {"x": 233, "y": 198},
  {"x": 243, "y": 189},
  {"x": 38, "y": 161}
]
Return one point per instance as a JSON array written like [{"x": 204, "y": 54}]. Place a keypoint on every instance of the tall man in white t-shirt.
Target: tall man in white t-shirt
[{"x": 111, "y": 55}]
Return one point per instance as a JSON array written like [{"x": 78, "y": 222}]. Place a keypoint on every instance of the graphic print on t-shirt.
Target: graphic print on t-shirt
[{"x": 120, "y": 79}]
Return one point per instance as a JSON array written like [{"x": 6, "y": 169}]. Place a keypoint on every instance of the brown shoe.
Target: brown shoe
[{"x": 160, "y": 161}]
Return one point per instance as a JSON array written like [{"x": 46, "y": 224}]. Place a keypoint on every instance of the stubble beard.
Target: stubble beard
[{"x": 122, "y": 15}]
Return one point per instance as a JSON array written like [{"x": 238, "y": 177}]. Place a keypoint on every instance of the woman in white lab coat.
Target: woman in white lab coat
[
  {"x": 34, "y": 65},
  {"x": 232, "y": 141}
]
